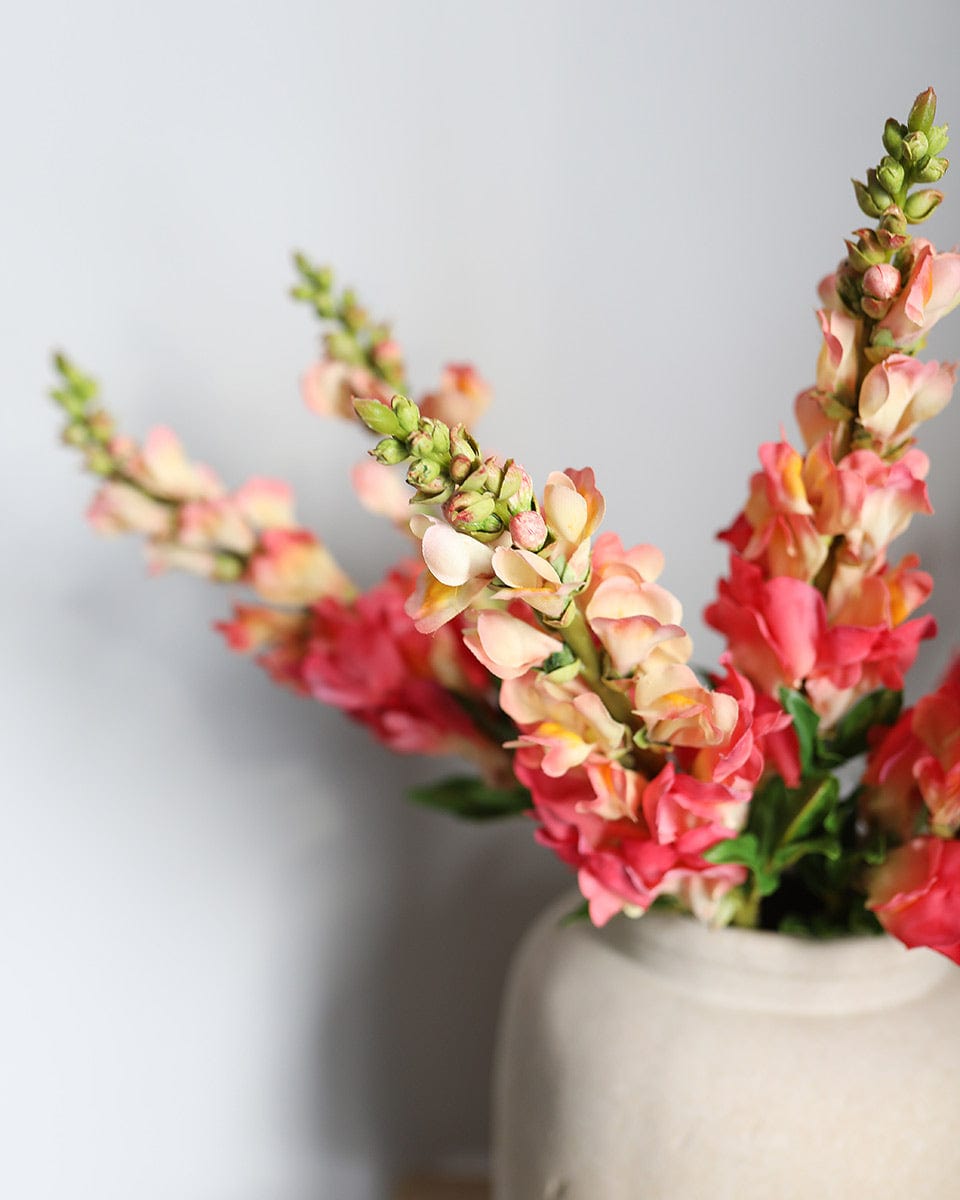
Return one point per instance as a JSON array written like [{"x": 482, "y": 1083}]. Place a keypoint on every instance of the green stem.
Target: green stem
[{"x": 578, "y": 637}]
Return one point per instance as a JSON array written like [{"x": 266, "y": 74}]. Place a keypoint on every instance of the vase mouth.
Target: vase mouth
[{"x": 775, "y": 972}]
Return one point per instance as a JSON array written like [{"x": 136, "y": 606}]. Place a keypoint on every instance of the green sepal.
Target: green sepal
[
  {"x": 471, "y": 798},
  {"x": 881, "y": 707},
  {"x": 805, "y": 725}
]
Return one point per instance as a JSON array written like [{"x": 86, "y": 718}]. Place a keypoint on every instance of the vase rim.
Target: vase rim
[{"x": 774, "y": 972}]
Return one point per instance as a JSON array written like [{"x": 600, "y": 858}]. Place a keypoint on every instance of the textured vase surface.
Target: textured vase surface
[{"x": 661, "y": 1060}]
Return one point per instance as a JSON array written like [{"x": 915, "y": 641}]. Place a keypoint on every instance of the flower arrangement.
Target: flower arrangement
[{"x": 548, "y": 655}]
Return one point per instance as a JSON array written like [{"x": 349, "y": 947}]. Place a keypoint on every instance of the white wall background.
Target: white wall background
[{"x": 235, "y": 964}]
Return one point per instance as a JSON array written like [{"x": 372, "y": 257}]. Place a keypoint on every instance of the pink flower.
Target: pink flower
[
  {"x": 916, "y": 895},
  {"x": 461, "y": 398},
  {"x": 621, "y": 863},
  {"x": 507, "y": 645},
  {"x": 161, "y": 467},
  {"x": 837, "y": 366},
  {"x": 330, "y": 387},
  {"x": 279, "y": 640},
  {"x": 367, "y": 658},
  {"x": 265, "y": 503},
  {"x": 891, "y": 797},
  {"x": 932, "y": 290},
  {"x": 382, "y": 491},
  {"x": 567, "y": 722},
  {"x": 291, "y": 567},
  {"x": 900, "y": 392},
  {"x": 778, "y": 528},
  {"x": 122, "y": 508},
  {"x": 214, "y": 525}
]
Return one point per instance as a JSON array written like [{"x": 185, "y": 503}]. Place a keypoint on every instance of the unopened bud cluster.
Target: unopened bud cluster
[
  {"x": 869, "y": 281},
  {"x": 480, "y": 495},
  {"x": 357, "y": 340},
  {"x": 88, "y": 428}
]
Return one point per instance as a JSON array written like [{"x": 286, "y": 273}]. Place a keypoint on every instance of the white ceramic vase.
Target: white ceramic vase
[{"x": 660, "y": 1060}]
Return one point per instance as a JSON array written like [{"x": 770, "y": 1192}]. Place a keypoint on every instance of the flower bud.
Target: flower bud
[
  {"x": 937, "y": 139},
  {"x": 441, "y": 438},
  {"x": 469, "y": 511},
  {"x": 528, "y": 530},
  {"x": 344, "y": 348},
  {"x": 390, "y": 451},
  {"x": 102, "y": 427},
  {"x": 407, "y": 413},
  {"x": 227, "y": 568},
  {"x": 875, "y": 309},
  {"x": 882, "y": 281},
  {"x": 923, "y": 111},
  {"x": 420, "y": 444},
  {"x": 377, "y": 417},
  {"x": 893, "y": 133},
  {"x": 933, "y": 171},
  {"x": 863, "y": 255},
  {"x": 893, "y": 222},
  {"x": 460, "y": 468},
  {"x": 76, "y": 434},
  {"x": 921, "y": 205},
  {"x": 422, "y": 473},
  {"x": 462, "y": 443},
  {"x": 99, "y": 461},
  {"x": 890, "y": 175},
  {"x": 878, "y": 193},
  {"x": 915, "y": 148},
  {"x": 865, "y": 200},
  {"x": 517, "y": 488}
]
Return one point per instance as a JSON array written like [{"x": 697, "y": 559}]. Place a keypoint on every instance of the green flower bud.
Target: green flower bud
[
  {"x": 923, "y": 111},
  {"x": 890, "y": 175},
  {"x": 76, "y": 434},
  {"x": 460, "y": 468},
  {"x": 420, "y": 444},
  {"x": 407, "y": 413},
  {"x": 865, "y": 200},
  {"x": 862, "y": 256},
  {"x": 893, "y": 133},
  {"x": 893, "y": 223},
  {"x": 422, "y": 472},
  {"x": 377, "y": 417},
  {"x": 101, "y": 426},
  {"x": 915, "y": 148},
  {"x": 441, "y": 438},
  {"x": 344, "y": 348},
  {"x": 921, "y": 205},
  {"x": 227, "y": 568},
  {"x": 517, "y": 488},
  {"x": 933, "y": 171},
  {"x": 461, "y": 443},
  {"x": 325, "y": 306},
  {"x": 99, "y": 461},
  {"x": 878, "y": 194},
  {"x": 937, "y": 139},
  {"x": 390, "y": 451},
  {"x": 469, "y": 512}
]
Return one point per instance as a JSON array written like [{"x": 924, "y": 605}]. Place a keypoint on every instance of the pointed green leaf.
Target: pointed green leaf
[
  {"x": 881, "y": 707},
  {"x": 805, "y": 724},
  {"x": 472, "y": 798}
]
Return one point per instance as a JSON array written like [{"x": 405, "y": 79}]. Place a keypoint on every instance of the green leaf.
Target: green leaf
[
  {"x": 743, "y": 850},
  {"x": 814, "y": 810},
  {"x": 879, "y": 708},
  {"x": 464, "y": 796},
  {"x": 576, "y": 915},
  {"x": 805, "y": 724}
]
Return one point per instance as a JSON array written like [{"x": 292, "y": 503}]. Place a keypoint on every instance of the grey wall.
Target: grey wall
[{"x": 235, "y": 964}]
